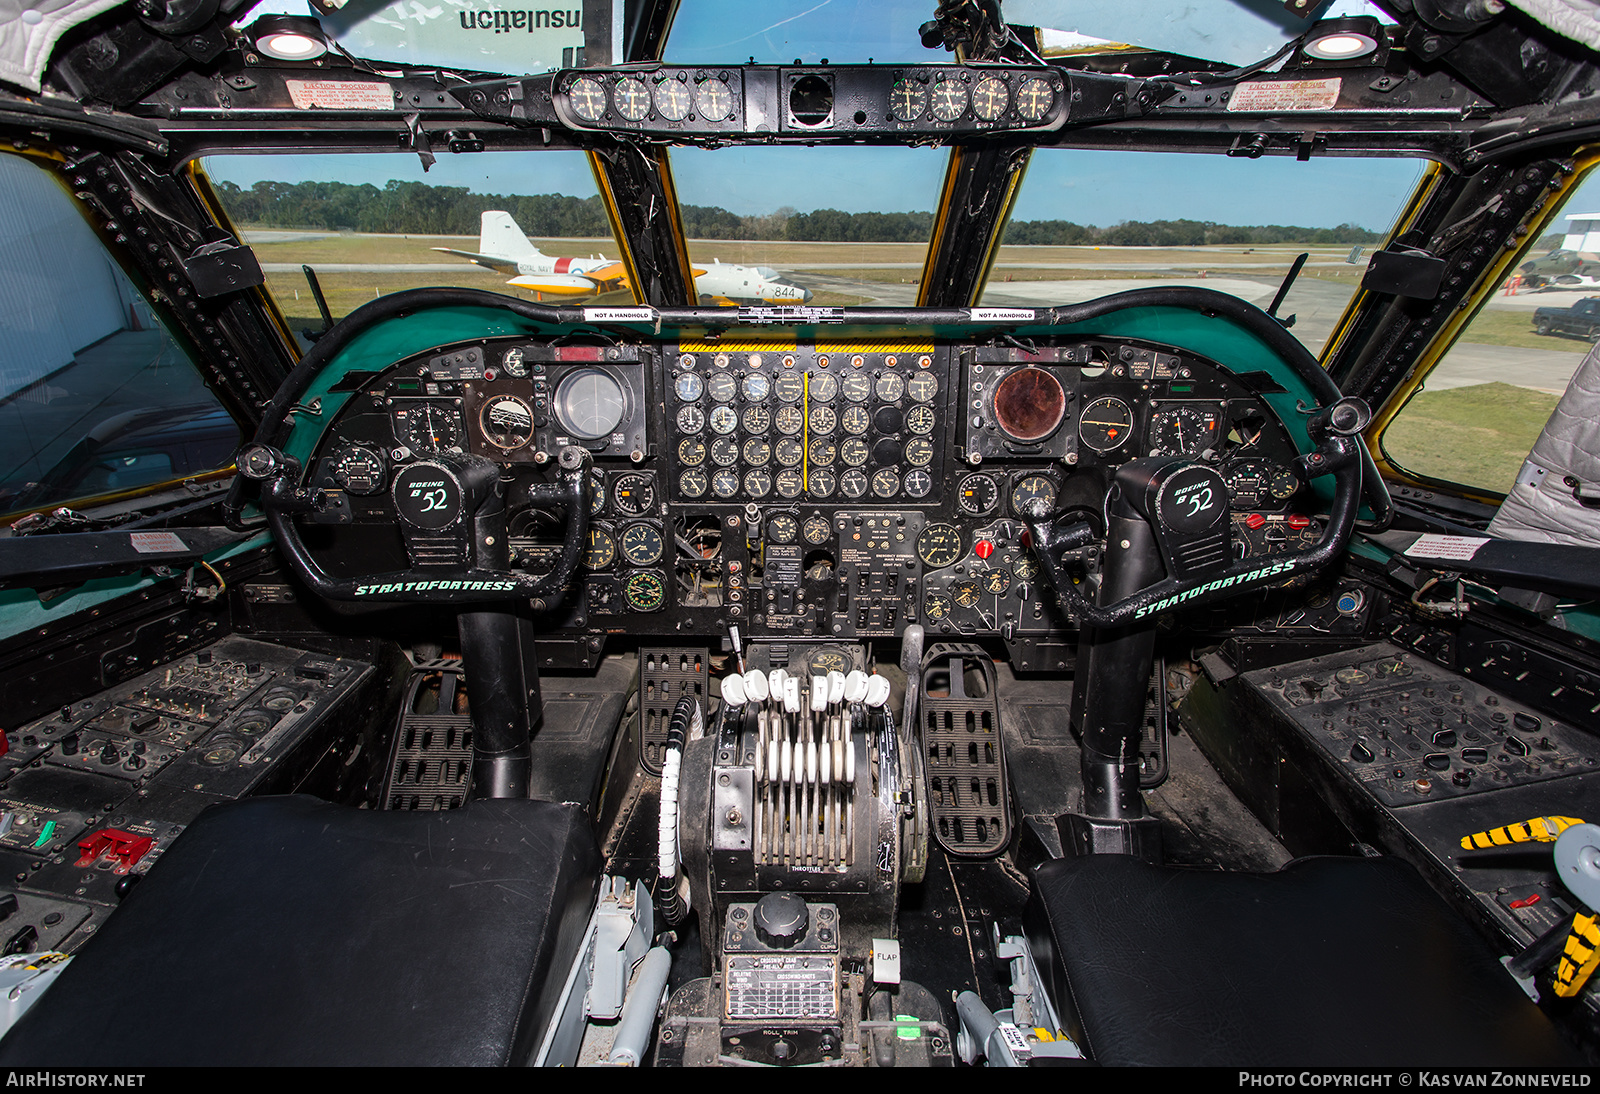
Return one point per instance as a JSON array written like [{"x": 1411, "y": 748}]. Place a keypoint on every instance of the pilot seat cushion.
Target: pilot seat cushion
[
  {"x": 291, "y": 931},
  {"x": 1330, "y": 961}
]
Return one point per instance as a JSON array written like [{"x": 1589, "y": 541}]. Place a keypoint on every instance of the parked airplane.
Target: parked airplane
[{"x": 502, "y": 246}]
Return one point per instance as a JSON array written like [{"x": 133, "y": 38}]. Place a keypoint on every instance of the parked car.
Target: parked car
[{"x": 1581, "y": 319}]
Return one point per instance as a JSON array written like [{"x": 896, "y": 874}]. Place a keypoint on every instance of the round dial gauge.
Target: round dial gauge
[
  {"x": 990, "y": 98},
  {"x": 644, "y": 591},
  {"x": 854, "y": 451},
  {"x": 919, "y": 452},
  {"x": 1026, "y": 568},
  {"x": 359, "y": 469},
  {"x": 724, "y": 452},
  {"x": 890, "y": 387},
  {"x": 1105, "y": 423},
  {"x": 908, "y": 100},
  {"x": 1282, "y": 482},
  {"x": 939, "y": 545},
  {"x": 633, "y": 493},
  {"x": 588, "y": 98},
  {"x": 714, "y": 100},
  {"x": 724, "y": 419},
  {"x": 788, "y": 483},
  {"x": 966, "y": 593},
  {"x": 693, "y": 482},
  {"x": 855, "y": 419},
  {"x": 757, "y": 450},
  {"x": 690, "y": 386},
  {"x": 823, "y": 452},
  {"x": 1033, "y": 493},
  {"x": 725, "y": 484},
  {"x": 823, "y": 483},
  {"x": 1247, "y": 482},
  {"x": 590, "y": 403},
  {"x": 507, "y": 422},
  {"x": 936, "y": 606},
  {"x": 816, "y": 530},
  {"x": 789, "y": 451},
  {"x": 977, "y": 495},
  {"x": 429, "y": 428},
  {"x": 673, "y": 101},
  {"x": 829, "y": 659},
  {"x": 756, "y": 386},
  {"x": 597, "y": 492},
  {"x": 757, "y": 419},
  {"x": 758, "y": 482},
  {"x": 788, "y": 387},
  {"x": 996, "y": 582},
  {"x": 513, "y": 363},
  {"x": 923, "y": 387},
  {"x": 691, "y": 419},
  {"x": 823, "y": 420},
  {"x": 885, "y": 483},
  {"x": 920, "y": 419},
  {"x": 722, "y": 387},
  {"x": 633, "y": 99},
  {"x": 918, "y": 484},
  {"x": 853, "y": 483},
  {"x": 1035, "y": 98},
  {"x": 857, "y": 387},
  {"x": 601, "y": 551},
  {"x": 641, "y": 545},
  {"x": 824, "y": 386},
  {"x": 783, "y": 528},
  {"x": 790, "y": 420},
  {"x": 949, "y": 100},
  {"x": 1182, "y": 431},
  {"x": 691, "y": 452}
]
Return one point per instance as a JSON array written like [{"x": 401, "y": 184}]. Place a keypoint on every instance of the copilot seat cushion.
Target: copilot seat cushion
[{"x": 1330, "y": 961}]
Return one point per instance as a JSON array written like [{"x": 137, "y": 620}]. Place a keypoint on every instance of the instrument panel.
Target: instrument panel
[
  {"x": 837, "y": 488},
  {"x": 932, "y": 99}
]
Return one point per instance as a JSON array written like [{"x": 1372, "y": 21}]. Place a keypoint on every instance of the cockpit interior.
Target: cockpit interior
[{"x": 685, "y": 533}]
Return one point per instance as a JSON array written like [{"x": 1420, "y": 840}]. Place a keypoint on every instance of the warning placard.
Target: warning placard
[
  {"x": 1454, "y": 548},
  {"x": 148, "y": 543},
  {"x": 340, "y": 95},
  {"x": 1281, "y": 95}
]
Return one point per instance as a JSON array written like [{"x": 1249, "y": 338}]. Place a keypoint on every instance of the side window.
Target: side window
[
  {"x": 1477, "y": 413},
  {"x": 95, "y": 396}
]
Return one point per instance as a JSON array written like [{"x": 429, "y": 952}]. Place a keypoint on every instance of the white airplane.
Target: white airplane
[{"x": 503, "y": 247}]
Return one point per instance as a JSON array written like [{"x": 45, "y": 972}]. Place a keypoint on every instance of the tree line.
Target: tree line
[{"x": 416, "y": 208}]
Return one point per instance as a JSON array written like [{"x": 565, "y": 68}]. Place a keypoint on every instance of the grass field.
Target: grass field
[{"x": 1476, "y": 435}]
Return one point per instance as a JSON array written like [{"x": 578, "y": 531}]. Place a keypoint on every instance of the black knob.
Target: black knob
[
  {"x": 69, "y": 745},
  {"x": 781, "y": 919},
  {"x": 1360, "y": 753}
]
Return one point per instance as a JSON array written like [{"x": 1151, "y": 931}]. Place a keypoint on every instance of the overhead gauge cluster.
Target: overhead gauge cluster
[
  {"x": 671, "y": 99},
  {"x": 813, "y": 98}
]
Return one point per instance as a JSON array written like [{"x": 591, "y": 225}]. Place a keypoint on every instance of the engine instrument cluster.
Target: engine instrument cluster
[{"x": 834, "y": 488}]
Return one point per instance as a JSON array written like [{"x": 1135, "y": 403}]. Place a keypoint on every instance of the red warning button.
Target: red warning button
[
  {"x": 983, "y": 549},
  {"x": 1254, "y": 521}
]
